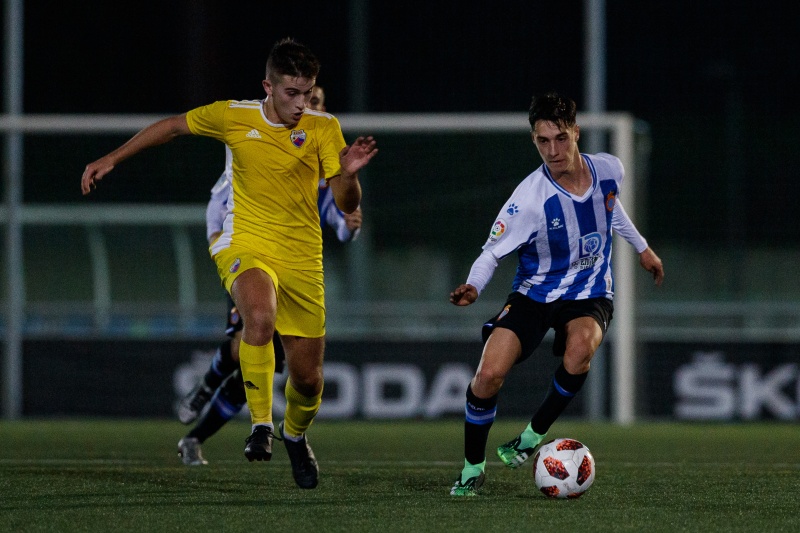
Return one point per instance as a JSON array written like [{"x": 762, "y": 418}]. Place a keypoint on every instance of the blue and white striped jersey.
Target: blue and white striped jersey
[
  {"x": 332, "y": 216},
  {"x": 563, "y": 242}
]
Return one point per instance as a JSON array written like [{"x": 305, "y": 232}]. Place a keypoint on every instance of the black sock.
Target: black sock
[
  {"x": 225, "y": 405},
  {"x": 211, "y": 422},
  {"x": 562, "y": 389},
  {"x": 221, "y": 366},
  {"x": 480, "y": 415}
]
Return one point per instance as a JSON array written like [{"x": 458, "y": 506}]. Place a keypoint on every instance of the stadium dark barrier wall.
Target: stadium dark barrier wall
[
  {"x": 723, "y": 381},
  {"x": 363, "y": 379},
  {"x": 685, "y": 381}
]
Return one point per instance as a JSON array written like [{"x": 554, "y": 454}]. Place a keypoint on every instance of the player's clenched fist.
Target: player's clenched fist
[{"x": 464, "y": 294}]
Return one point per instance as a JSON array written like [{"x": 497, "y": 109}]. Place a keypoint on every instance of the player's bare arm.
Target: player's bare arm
[
  {"x": 652, "y": 263},
  {"x": 463, "y": 295},
  {"x": 157, "y": 133},
  {"x": 345, "y": 187}
]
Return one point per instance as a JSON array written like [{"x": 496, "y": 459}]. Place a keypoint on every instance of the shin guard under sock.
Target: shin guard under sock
[
  {"x": 258, "y": 369},
  {"x": 562, "y": 389},
  {"x": 480, "y": 413},
  {"x": 222, "y": 365},
  {"x": 300, "y": 411},
  {"x": 225, "y": 404}
]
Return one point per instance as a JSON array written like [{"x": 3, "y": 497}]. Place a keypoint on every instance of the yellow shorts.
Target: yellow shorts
[{"x": 301, "y": 293}]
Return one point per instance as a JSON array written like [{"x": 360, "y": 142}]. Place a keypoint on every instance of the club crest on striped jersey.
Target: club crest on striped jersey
[
  {"x": 504, "y": 312},
  {"x": 498, "y": 229},
  {"x": 611, "y": 200},
  {"x": 590, "y": 244},
  {"x": 234, "y": 316},
  {"x": 298, "y": 137}
]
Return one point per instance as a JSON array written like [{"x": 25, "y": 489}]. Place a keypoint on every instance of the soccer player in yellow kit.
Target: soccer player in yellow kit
[{"x": 269, "y": 255}]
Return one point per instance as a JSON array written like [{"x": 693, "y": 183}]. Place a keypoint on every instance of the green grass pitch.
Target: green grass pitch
[{"x": 124, "y": 475}]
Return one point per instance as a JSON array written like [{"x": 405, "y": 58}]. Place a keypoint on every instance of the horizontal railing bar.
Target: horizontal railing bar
[{"x": 351, "y": 122}]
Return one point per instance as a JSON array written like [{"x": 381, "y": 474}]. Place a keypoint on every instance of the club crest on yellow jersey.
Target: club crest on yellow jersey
[{"x": 298, "y": 137}]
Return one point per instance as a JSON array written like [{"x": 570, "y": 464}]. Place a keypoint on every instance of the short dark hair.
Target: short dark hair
[
  {"x": 291, "y": 58},
  {"x": 552, "y": 107}
]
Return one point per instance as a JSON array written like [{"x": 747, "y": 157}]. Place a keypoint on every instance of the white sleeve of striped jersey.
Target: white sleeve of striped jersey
[
  {"x": 335, "y": 219},
  {"x": 482, "y": 270},
  {"x": 217, "y": 207},
  {"x": 622, "y": 224},
  {"x": 332, "y": 216}
]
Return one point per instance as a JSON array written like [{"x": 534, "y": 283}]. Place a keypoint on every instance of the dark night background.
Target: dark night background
[{"x": 717, "y": 82}]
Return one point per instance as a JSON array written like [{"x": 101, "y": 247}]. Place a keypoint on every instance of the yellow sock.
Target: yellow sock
[
  {"x": 258, "y": 370},
  {"x": 300, "y": 411}
]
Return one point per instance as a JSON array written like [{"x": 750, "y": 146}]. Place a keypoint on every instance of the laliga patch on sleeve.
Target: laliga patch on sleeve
[{"x": 498, "y": 229}]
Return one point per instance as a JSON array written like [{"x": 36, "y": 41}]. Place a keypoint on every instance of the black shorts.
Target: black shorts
[
  {"x": 530, "y": 320},
  {"x": 235, "y": 324}
]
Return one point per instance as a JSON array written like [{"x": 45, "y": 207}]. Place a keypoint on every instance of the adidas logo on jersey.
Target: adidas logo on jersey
[{"x": 253, "y": 134}]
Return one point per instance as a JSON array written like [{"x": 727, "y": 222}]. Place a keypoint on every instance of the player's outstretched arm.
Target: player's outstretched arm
[
  {"x": 464, "y": 294},
  {"x": 153, "y": 135},
  {"x": 652, "y": 263},
  {"x": 345, "y": 187}
]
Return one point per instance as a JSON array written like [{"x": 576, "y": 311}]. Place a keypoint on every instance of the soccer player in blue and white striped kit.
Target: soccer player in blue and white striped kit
[{"x": 559, "y": 222}]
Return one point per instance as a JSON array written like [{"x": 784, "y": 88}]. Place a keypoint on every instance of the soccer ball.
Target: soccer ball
[{"x": 563, "y": 468}]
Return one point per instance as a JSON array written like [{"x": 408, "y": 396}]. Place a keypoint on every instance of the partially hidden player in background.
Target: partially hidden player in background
[
  {"x": 222, "y": 383},
  {"x": 269, "y": 256},
  {"x": 559, "y": 222}
]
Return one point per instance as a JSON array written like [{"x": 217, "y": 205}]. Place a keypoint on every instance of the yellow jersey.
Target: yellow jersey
[{"x": 272, "y": 210}]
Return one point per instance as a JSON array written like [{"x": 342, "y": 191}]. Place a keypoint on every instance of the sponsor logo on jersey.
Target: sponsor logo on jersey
[
  {"x": 611, "y": 200},
  {"x": 556, "y": 223},
  {"x": 298, "y": 137},
  {"x": 235, "y": 266},
  {"x": 512, "y": 210},
  {"x": 584, "y": 263},
  {"x": 589, "y": 252},
  {"x": 497, "y": 230},
  {"x": 253, "y": 134}
]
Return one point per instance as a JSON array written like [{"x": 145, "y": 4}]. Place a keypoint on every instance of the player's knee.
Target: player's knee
[
  {"x": 259, "y": 327},
  {"x": 578, "y": 357},
  {"x": 487, "y": 382}
]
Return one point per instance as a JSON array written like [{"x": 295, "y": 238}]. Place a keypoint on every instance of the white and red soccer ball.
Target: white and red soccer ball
[{"x": 563, "y": 468}]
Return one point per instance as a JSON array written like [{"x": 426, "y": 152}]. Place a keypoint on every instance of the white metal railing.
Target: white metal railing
[{"x": 177, "y": 217}]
